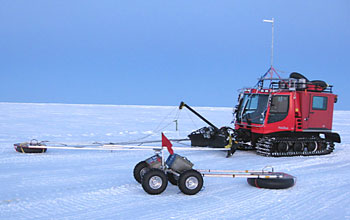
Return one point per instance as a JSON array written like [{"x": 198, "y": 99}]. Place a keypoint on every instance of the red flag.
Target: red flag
[{"x": 166, "y": 143}]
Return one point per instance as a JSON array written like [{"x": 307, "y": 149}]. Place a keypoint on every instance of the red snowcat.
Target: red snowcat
[{"x": 278, "y": 117}]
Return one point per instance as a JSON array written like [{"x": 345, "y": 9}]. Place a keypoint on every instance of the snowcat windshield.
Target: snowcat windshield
[{"x": 252, "y": 108}]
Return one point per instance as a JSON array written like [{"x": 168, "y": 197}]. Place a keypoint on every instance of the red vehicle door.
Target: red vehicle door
[{"x": 320, "y": 112}]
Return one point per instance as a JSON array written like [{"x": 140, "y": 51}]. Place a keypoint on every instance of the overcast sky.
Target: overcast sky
[{"x": 159, "y": 52}]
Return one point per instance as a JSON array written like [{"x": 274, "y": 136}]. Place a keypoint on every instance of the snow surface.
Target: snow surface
[{"x": 68, "y": 184}]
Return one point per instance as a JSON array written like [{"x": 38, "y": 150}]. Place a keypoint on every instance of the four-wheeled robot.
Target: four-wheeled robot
[{"x": 154, "y": 174}]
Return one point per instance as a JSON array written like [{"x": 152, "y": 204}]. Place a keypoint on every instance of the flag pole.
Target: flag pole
[{"x": 163, "y": 165}]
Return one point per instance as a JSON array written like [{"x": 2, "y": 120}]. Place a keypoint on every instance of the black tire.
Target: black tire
[
  {"x": 279, "y": 183},
  {"x": 154, "y": 181},
  {"x": 320, "y": 84},
  {"x": 139, "y": 171},
  {"x": 172, "y": 178},
  {"x": 190, "y": 182},
  {"x": 296, "y": 75}
]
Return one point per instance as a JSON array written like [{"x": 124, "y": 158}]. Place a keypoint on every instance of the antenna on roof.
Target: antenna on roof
[{"x": 272, "y": 21}]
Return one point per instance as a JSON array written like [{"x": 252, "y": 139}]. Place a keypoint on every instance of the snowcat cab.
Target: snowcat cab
[{"x": 289, "y": 117}]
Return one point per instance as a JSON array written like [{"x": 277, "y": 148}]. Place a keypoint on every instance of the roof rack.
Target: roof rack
[{"x": 291, "y": 84}]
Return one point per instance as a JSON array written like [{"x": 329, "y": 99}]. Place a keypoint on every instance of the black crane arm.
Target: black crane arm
[{"x": 182, "y": 104}]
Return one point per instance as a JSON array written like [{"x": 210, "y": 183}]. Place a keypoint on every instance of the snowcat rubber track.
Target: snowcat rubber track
[{"x": 267, "y": 147}]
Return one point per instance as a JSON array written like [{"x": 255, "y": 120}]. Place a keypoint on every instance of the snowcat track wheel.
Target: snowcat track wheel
[
  {"x": 298, "y": 147},
  {"x": 172, "y": 178},
  {"x": 139, "y": 171},
  {"x": 190, "y": 182},
  {"x": 154, "y": 181},
  {"x": 273, "y": 183},
  {"x": 312, "y": 146}
]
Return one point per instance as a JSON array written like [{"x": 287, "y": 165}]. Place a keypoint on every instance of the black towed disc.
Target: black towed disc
[{"x": 284, "y": 182}]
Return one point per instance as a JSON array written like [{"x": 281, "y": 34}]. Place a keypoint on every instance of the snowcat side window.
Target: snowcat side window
[
  {"x": 279, "y": 108},
  {"x": 319, "y": 103}
]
